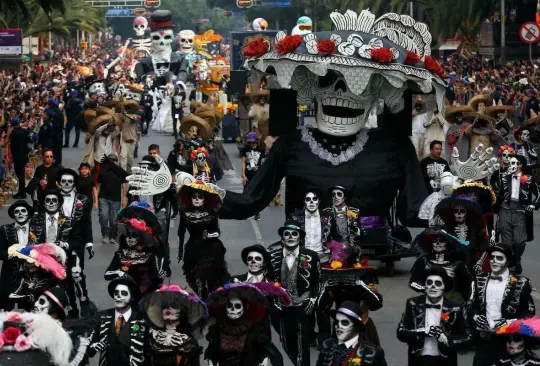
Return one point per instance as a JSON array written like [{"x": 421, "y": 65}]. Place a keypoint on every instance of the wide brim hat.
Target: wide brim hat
[
  {"x": 425, "y": 239},
  {"x": 351, "y": 309},
  {"x": 49, "y": 257},
  {"x": 517, "y": 131},
  {"x": 438, "y": 271},
  {"x": 258, "y": 93},
  {"x": 214, "y": 198},
  {"x": 194, "y": 105},
  {"x": 129, "y": 283},
  {"x": 483, "y": 98},
  {"x": 292, "y": 225},
  {"x": 495, "y": 109},
  {"x": 361, "y": 46},
  {"x": 139, "y": 217},
  {"x": 480, "y": 116},
  {"x": 131, "y": 106},
  {"x": 102, "y": 120},
  {"x": 48, "y": 192},
  {"x": 452, "y": 112},
  {"x": 251, "y": 296},
  {"x": 209, "y": 116},
  {"x": 445, "y": 208},
  {"x": 67, "y": 171},
  {"x": 109, "y": 104},
  {"x": 348, "y": 275},
  {"x": 255, "y": 248},
  {"x": 205, "y": 131},
  {"x": 482, "y": 193},
  {"x": 89, "y": 116},
  {"x": 20, "y": 203},
  {"x": 59, "y": 297},
  {"x": 193, "y": 308},
  {"x": 527, "y": 328},
  {"x": 530, "y": 120}
]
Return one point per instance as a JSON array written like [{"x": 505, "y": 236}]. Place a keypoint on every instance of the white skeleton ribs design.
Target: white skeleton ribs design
[{"x": 169, "y": 337}]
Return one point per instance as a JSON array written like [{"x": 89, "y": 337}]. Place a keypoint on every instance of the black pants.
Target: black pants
[
  {"x": 69, "y": 127},
  {"x": 19, "y": 167},
  {"x": 292, "y": 325},
  {"x": 513, "y": 230},
  {"x": 429, "y": 361},
  {"x": 57, "y": 147},
  {"x": 489, "y": 350},
  {"x": 146, "y": 120}
]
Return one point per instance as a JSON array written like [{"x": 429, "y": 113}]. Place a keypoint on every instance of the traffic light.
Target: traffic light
[{"x": 227, "y": 13}]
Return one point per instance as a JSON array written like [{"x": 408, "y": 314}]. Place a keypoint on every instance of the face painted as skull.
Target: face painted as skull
[
  {"x": 506, "y": 156},
  {"x": 67, "y": 182},
  {"x": 515, "y": 345},
  {"x": 170, "y": 314},
  {"x": 439, "y": 245},
  {"x": 197, "y": 200},
  {"x": 311, "y": 202},
  {"x": 132, "y": 238},
  {"x": 121, "y": 296},
  {"x": 498, "y": 262},
  {"x": 51, "y": 203},
  {"x": 21, "y": 215},
  {"x": 42, "y": 305},
  {"x": 186, "y": 38},
  {"x": 525, "y": 135},
  {"x": 513, "y": 165},
  {"x": 162, "y": 39},
  {"x": 140, "y": 24},
  {"x": 291, "y": 238},
  {"x": 255, "y": 262},
  {"x": 344, "y": 327},
  {"x": 235, "y": 308},
  {"x": 338, "y": 198},
  {"x": 200, "y": 160},
  {"x": 434, "y": 288},
  {"x": 460, "y": 214}
]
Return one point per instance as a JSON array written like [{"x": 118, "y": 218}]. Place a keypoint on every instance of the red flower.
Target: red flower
[
  {"x": 364, "y": 262},
  {"x": 10, "y": 334},
  {"x": 433, "y": 66},
  {"x": 412, "y": 58},
  {"x": 326, "y": 47},
  {"x": 305, "y": 263},
  {"x": 79, "y": 204},
  {"x": 445, "y": 317},
  {"x": 288, "y": 44},
  {"x": 382, "y": 55},
  {"x": 256, "y": 48}
]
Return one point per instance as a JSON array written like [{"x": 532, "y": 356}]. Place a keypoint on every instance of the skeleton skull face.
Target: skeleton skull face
[
  {"x": 121, "y": 296},
  {"x": 434, "y": 288},
  {"x": 506, "y": 156},
  {"x": 21, "y": 215},
  {"x": 197, "y": 200},
  {"x": 439, "y": 245},
  {"x": 140, "y": 25},
  {"x": 186, "y": 41},
  {"x": 340, "y": 112},
  {"x": 200, "y": 160},
  {"x": 338, "y": 197},
  {"x": 235, "y": 308},
  {"x": 97, "y": 88},
  {"x": 513, "y": 165},
  {"x": 255, "y": 262},
  {"x": 501, "y": 115},
  {"x": 203, "y": 67},
  {"x": 170, "y": 314},
  {"x": 42, "y": 305},
  {"x": 525, "y": 135},
  {"x": 460, "y": 214},
  {"x": 515, "y": 345},
  {"x": 344, "y": 327},
  {"x": 311, "y": 202},
  {"x": 193, "y": 132},
  {"x": 67, "y": 182},
  {"x": 291, "y": 238},
  {"x": 132, "y": 238},
  {"x": 51, "y": 203},
  {"x": 498, "y": 262},
  {"x": 162, "y": 39}
]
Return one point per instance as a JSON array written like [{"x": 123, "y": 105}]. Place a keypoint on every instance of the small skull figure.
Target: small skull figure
[
  {"x": 498, "y": 262},
  {"x": 235, "y": 308},
  {"x": 197, "y": 200},
  {"x": 121, "y": 296},
  {"x": 97, "y": 88},
  {"x": 434, "y": 288},
  {"x": 67, "y": 182},
  {"x": 513, "y": 165},
  {"x": 291, "y": 238},
  {"x": 525, "y": 134},
  {"x": 21, "y": 215},
  {"x": 460, "y": 214},
  {"x": 186, "y": 38},
  {"x": 51, "y": 203},
  {"x": 515, "y": 345},
  {"x": 140, "y": 25},
  {"x": 344, "y": 327},
  {"x": 311, "y": 202},
  {"x": 338, "y": 197},
  {"x": 42, "y": 305},
  {"x": 255, "y": 262}
]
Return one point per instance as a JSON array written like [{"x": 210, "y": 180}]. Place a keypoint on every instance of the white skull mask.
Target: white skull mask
[
  {"x": 460, "y": 214},
  {"x": 67, "y": 182},
  {"x": 525, "y": 135},
  {"x": 515, "y": 345},
  {"x": 291, "y": 238},
  {"x": 42, "y": 305},
  {"x": 121, "y": 296},
  {"x": 186, "y": 38},
  {"x": 255, "y": 262},
  {"x": 338, "y": 197},
  {"x": 131, "y": 238},
  {"x": 203, "y": 67},
  {"x": 513, "y": 166},
  {"x": 312, "y": 202},
  {"x": 344, "y": 328},
  {"x": 140, "y": 25},
  {"x": 235, "y": 308},
  {"x": 162, "y": 39},
  {"x": 51, "y": 203},
  {"x": 170, "y": 314},
  {"x": 21, "y": 215},
  {"x": 197, "y": 200},
  {"x": 505, "y": 156},
  {"x": 434, "y": 288},
  {"x": 498, "y": 262},
  {"x": 439, "y": 245}
]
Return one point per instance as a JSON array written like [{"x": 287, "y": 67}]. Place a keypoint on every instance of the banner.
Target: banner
[
  {"x": 10, "y": 41},
  {"x": 239, "y": 41}
]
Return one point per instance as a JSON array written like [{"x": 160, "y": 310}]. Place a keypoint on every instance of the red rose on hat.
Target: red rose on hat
[
  {"x": 433, "y": 66},
  {"x": 10, "y": 334},
  {"x": 256, "y": 48},
  {"x": 326, "y": 47},
  {"x": 382, "y": 55},
  {"x": 288, "y": 44},
  {"x": 412, "y": 58}
]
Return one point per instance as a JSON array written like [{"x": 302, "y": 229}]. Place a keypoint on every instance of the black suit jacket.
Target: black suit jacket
[
  {"x": 81, "y": 222},
  {"x": 369, "y": 354},
  {"x": 193, "y": 96},
  {"x": 326, "y": 225},
  {"x": 526, "y": 191},
  {"x": 268, "y": 277}
]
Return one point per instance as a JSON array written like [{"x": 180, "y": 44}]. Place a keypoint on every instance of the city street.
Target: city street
[{"x": 239, "y": 234}]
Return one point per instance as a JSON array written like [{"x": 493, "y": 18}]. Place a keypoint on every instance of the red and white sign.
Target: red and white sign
[{"x": 529, "y": 32}]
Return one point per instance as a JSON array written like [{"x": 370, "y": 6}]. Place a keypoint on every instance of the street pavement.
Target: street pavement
[{"x": 239, "y": 234}]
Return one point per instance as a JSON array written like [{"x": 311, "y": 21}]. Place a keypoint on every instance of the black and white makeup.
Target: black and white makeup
[
  {"x": 311, "y": 202},
  {"x": 338, "y": 198},
  {"x": 439, "y": 245},
  {"x": 525, "y": 135},
  {"x": 162, "y": 40},
  {"x": 235, "y": 308},
  {"x": 197, "y": 200},
  {"x": 67, "y": 183},
  {"x": 21, "y": 215},
  {"x": 51, "y": 203},
  {"x": 434, "y": 288},
  {"x": 460, "y": 214},
  {"x": 498, "y": 262},
  {"x": 42, "y": 305},
  {"x": 200, "y": 160},
  {"x": 255, "y": 262},
  {"x": 344, "y": 328},
  {"x": 290, "y": 238},
  {"x": 121, "y": 296},
  {"x": 506, "y": 156},
  {"x": 515, "y": 345},
  {"x": 513, "y": 166},
  {"x": 132, "y": 237},
  {"x": 170, "y": 314}
]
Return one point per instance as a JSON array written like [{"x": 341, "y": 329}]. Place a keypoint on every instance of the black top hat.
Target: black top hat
[
  {"x": 255, "y": 248},
  {"x": 312, "y": 189},
  {"x": 67, "y": 171},
  {"x": 130, "y": 283},
  {"x": 438, "y": 271},
  {"x": 345, "y": 190},
  {"x": 291, "y": 224},
  {"x": 150, "y": 160},
  {"x": 20, "y": 203},
  {"x": 48, "y": 192},
  {"x": 58, "y": 296},
  {"x": 523, "y": 161},
  {"x": 351, "y": 309},
  {"x": 161, "y": 19},
  {"x": 503, "y": 248}
]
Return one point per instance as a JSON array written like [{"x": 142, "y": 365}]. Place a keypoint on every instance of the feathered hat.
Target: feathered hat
[{"x": 49, "y": 257}]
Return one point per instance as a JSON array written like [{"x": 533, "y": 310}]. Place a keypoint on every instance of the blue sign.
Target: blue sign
[
  {"x": 277, "y": 3},
  {"x": 119, "y": 13}
]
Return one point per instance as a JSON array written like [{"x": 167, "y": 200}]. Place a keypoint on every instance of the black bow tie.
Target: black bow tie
[
  {"x": 21, "y": 227},
  {"x": 496, "y": 278},
  {"x": 433, "y": 306},
  {"x": 66, "y": 194}
]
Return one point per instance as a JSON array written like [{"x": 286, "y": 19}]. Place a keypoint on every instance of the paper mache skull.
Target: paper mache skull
[
  {"x": 161, "y": 31},
  {"x": 97, "y": 87},
  {"x": 304, "y": 25},
  {"x": 186, "y": 41},
  {"x": 259, "y": 24},
  {"x": 140, "y": 25}
]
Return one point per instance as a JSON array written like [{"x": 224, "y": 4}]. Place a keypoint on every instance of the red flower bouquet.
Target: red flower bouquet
[
  {"x": 10, "y": 334},
  {"x": 382, "y": 55},
  {"x": 433, "y": 66},
  {"x": 256, "y": 48},
  {"x": 412, "y": 58},
  {"x": 326, "y": 47},
  {"x": 288, "y": 44}
]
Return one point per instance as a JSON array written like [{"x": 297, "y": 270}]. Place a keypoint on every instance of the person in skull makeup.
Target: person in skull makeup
[
  {"x": 520, "y": 196},
  {"x": 257, "y": 260},
  {"x": 441, "y": 250},
  {"x": 175, "y": 317},
  {"x": 433, "y": 326},
  {"x": 204, "y": 256},
  {"x": 298, "y": 271},
  {"x": 17, "y": 232},
  {"x": 522, "y": 340},
  {"x": 139, "y": 253},
  {"x": 201, "y": 167},
  {"x": 505, "y": 154},
  {"x": 499, "y": 297},
  {"x": 523, "y": 147},
  {"x": 347, "y": 346},
  {"x": 54, "y": 302}
]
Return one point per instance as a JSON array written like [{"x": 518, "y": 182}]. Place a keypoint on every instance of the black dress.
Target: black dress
[{"x": 180, "y": 350}]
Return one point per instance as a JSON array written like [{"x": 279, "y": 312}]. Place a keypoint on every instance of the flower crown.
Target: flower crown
[
  {"x": 138, "y": 224},
  {"x": 508, "y": 148},
  {"x": 199, "y": 150}
]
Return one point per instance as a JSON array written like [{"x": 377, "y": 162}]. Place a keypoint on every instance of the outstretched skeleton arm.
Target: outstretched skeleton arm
[{"x": 116, "y": 60}]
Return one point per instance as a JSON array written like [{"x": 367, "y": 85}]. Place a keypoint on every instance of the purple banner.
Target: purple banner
[{"x": 10, "y": 41}]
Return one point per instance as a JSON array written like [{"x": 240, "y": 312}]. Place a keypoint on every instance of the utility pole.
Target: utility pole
[{"x": 503, "y": 31}]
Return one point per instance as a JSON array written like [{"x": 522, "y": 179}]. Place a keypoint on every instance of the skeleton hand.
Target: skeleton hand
[
  {"x": 435, "y": 332},
  {"x": 530, "y": 208},
  {"x": 265, "y": 362},
  {"x": 146, "y": 182},
  {"x": 205, "y": 234},
  {"x": 98, "y": 346},
  {"x": 492, "y": 238},
  {"x": 478, "y": 266},
  {"x": 415, "y": 286},
  {"x": 76, "y": 274},
  {"x": 277, "y": 304},
  {"x": 477, "y": 167},
  {"x": 481, "y": 323},
  {"x": 500, "y": 323},
  {"x": 62, "y": 244},
  {"x": 310, "y": 305},
  {"x": 90, "y": 250}
]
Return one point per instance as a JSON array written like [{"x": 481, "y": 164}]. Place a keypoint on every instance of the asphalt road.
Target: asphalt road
[{"x": 239, "y": 234}]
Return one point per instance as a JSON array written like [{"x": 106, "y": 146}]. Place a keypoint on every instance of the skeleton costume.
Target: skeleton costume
[
  {"x": 17, "y": 232},
  {"x": 201, "y": 168},
  {"x": 522, "y": 340},
  {"x": 523, "y": 147},
  {"x": 239, "y": 336},
  {"x": 186, "y": 38},
  {"x": 128, "y": 135},
  {"x": 348, "y": 345},
  {"x": 436, "y": 129},
  {"x": 505, "y": 154},
  {"x": 140, "y": 254},
  {"x": 499, "y": 297},
  {"x": 503, "y": 116},
  {"x": 174, "y": 316},
  {"x": 54, "y": 302},
  {"x": 433, "y": 327}
]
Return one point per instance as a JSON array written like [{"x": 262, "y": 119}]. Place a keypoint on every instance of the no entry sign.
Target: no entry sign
[{"x": 529, "y": 32}]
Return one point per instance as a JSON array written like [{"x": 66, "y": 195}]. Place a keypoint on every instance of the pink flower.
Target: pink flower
[
  {"x": 10, "y": 334},
  {"x": 79, "y": 204},
  {"x": 14, "y": 318},
  {"x": 22, "y": 343}
]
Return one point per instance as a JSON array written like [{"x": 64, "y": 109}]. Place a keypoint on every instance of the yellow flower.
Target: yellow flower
[
  {"x": 351, "y": 214},
  {"x": 355, "y": 361},
  {"x": 61, "y": 221},
  {"x": 513, "y": 279},
  {"x": 357, "y": 265},
  {"x": 336, "y": 264}
]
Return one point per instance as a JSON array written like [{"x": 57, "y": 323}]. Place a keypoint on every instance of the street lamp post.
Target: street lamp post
[{"x": 503, "y": 31}]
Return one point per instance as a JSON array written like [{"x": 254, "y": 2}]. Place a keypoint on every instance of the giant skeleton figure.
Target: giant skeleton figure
[{"x": 186, "y": 42}]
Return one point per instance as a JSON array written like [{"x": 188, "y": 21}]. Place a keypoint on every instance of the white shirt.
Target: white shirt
[
  {"x": 494, "y": 297},
  {"x": 255, "y": 279},
  {"x": 433, "y": 319},
  {"x": 289, "y": 258},
  {"x": 126, "y": 315},
  {"x": 22, "y": 237},
  {"x": 198, "y": 96},
  {"x": 48, "y": 223},
  {"x": 352, "y": 342},
  {"x": 418, "y": 122},
  {"x": 515, "y": 186},
  {"x": 313, "y": 239},
  {"x": 67, "y": 207}
]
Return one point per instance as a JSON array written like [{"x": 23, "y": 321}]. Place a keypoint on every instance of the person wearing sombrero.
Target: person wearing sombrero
[
  {"x": 502, "y": 114},
  {"x": 419, "y": 122},
  {"x": 128, "y": 110},
  {"x": 520, "y": 197},
  {"x": 140, "y": 254},
  {"x": 120, "y": 331},
  {"x": 484, "y": 195},
  {"x": 439, "y": 249},
  {"x": 456, "y": 115},
  {"x": 175, "y": 319},
  {"x": 239, "y": 336},
  {"x": 483, "y": 131},
  {"x": 523, "y": 146},
  {"x": 433, "y": 326},
  {"x": 499, "y": 298},
  {"x": 347, "y": 347},
  {"x": 204, "y": 265},
  {"x": 522, "y": 338}
]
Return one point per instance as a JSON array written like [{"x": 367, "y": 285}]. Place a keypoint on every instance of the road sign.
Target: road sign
[{"x": 529, "y": 32}]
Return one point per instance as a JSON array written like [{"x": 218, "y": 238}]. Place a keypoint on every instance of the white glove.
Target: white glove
[
  {"x": 265, "y": 362},
  {"x": 144, "y": 182},
  {"x": 63, "y": 245},
  {"x": 530, "y": 208},
  {"x": 479, "y": 165},
  {"x": 418, "y": 287},
  {"x": 442, "y": 339}
]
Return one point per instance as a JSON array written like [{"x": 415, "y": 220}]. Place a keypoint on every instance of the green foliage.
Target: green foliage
[{"x": 188, "y": 13}]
